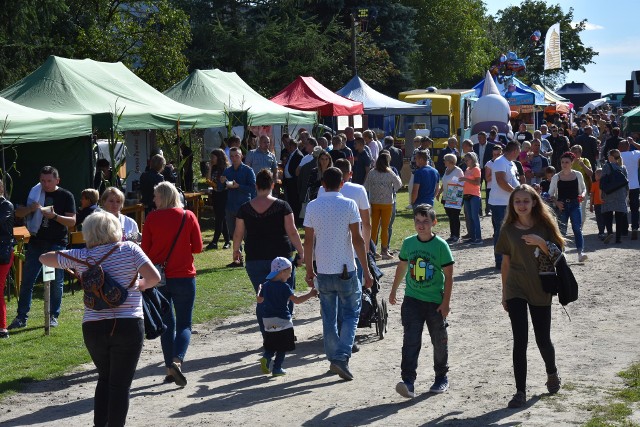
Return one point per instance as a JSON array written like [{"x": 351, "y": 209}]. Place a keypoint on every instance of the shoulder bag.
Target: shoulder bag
[
  {"x": 161, "y": 266},
  {"x": 613, "y": 181}
]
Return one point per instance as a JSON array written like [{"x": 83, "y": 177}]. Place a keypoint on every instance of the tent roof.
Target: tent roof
[
  {"x": 305, "y": 93},
  {"x": 220, "y": 90},
  {"x": 377, "y": 103},
  {"x": 90, "y": 87},
  {"x": 24, "y": 124},
  {"x": 523, "y": 95},
  {"x": 574, "y": 87},
  {"x": 550, "y": 96}
]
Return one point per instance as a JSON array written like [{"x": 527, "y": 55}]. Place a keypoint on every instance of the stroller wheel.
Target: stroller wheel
[
  {"x": 380, "y": 321},
  {"x": 385, "y": 314}
]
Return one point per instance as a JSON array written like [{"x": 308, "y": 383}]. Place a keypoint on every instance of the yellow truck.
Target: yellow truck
[{"x": 449, "y": 114}]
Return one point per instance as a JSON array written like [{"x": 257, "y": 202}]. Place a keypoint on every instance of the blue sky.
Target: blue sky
[{"x": 611, "y": 30}]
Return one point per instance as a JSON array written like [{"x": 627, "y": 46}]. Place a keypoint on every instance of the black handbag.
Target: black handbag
[{"x": 613, "y": 181}]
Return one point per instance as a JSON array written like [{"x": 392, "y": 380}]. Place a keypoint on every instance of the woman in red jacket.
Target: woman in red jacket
[{"x": 171, "y": 236}]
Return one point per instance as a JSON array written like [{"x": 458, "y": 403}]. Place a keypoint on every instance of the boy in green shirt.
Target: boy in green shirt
[{"x": 429, "y": 281}]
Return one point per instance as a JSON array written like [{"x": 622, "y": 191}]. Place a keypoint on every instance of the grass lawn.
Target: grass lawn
[{"x": 29, "y": 355}]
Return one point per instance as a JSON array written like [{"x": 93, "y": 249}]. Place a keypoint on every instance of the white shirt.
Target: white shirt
[
  {"x": 481, "y": 148},
  {"x": 306, "y": 159},
  {"x": 489, "y": 165},
  {"x": 129, "y": 226},
  {"x": 330, "y": 216},
  {"x": 355, "y": 192},
  {"x": 498, "y": 196},
  {"x": 630, "y": 160},
  {"x": 375, "y": 151}
]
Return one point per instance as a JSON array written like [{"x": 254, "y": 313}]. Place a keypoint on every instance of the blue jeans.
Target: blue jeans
[
  {"x": 277, "y": 362},
  {"x": 230, "y": 219},
  {"x": 497, "y": 216},
  {"x": 32, "y": 269},
  {"x": 344, "y": 295},
  {"x": 257, "y": 270},
  {"x": 472, "y": 206},
  {"x": 415, "y": 314},
  {"x": 573, "y": 212},
  {"x": 181, "y": 294},
  {"x": 115, "y": 346}
]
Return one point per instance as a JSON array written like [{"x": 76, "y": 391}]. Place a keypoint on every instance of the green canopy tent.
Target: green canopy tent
[
  {"x": 631, "y": 121},
  {"x": 22, "y": 133},
  {"x": 220, "y": 90},
  {"x": 85, "y": 86},
  {"x": 114, "y": 97}
]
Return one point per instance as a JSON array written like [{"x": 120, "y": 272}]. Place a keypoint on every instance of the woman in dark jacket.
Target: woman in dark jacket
[{"x": 6, "y": 246}]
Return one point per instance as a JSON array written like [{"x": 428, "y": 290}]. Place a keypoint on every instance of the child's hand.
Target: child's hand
[
  {"x": 392, "y": 297},
  {"x": 443, "y": 309}
]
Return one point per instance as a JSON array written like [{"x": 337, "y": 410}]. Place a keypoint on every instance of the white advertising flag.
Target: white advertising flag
[{"x": 552, "y": 59}]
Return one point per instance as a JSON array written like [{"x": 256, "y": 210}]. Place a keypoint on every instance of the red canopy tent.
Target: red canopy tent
[{"x": 305, "y": 93}]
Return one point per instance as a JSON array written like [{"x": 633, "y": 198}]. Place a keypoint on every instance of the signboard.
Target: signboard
[{"x": 48, "y": 274}]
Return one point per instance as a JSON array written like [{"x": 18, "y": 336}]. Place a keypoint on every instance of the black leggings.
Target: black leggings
[
  {"x": 621, "y": 222},
  {"x": 219, "y": 205},
  {"x": 541, "y": 320},
  {"x": 454, "y": 221}
]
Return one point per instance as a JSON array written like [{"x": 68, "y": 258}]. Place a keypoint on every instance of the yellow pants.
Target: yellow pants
[{"x": 381, "y": 214}]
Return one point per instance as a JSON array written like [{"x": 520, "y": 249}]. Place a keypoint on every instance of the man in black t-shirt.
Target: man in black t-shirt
[{"x": 49, "y": 211}]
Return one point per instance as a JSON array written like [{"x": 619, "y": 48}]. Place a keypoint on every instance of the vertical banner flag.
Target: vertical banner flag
[{"x": 552, "y": 48}]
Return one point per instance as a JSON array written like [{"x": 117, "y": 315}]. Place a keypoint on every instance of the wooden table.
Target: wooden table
[
  {"x": 138, "y": 213},
  {"x": 22, "y": 236},
  {"x": 193, "y": 203}
]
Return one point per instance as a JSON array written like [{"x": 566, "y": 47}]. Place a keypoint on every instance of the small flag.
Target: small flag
[{"x": 552, "y": 59}]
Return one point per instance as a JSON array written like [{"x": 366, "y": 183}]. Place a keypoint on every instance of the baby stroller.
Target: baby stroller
[{"x": 374, "y": 310}]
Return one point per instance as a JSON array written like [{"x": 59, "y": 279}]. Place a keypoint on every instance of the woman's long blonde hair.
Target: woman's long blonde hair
[{"x": 540, "y": 213}]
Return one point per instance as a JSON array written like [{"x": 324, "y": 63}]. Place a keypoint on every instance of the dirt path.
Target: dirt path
[{"x": 226, "y": 387}]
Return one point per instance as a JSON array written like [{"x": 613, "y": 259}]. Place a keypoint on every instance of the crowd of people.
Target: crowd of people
[{"x": 343, "y": 190}]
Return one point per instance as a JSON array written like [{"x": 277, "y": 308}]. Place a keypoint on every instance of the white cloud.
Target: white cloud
[{"x": 588, "y": 26}]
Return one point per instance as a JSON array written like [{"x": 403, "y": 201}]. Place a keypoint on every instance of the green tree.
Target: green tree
[
  {"x": 453, "y": 42},
  {"x": 30, "y": 31},
  {"x": 514, "y": 26},
  {"x": 148, "y": 37}
]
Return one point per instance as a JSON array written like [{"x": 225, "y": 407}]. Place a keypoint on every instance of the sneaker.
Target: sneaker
[
  {"x": 518, "y": 400},
  {"x": 226, "y": 245},
  {"x": 212, "y": 245},
  {"x": 405, "y": 390},
  {"x": 264, "y": 365},
  {"x": 582, "y": 258},
  {"x": 341, "y": 368},
  {"x": 4, "y": 334},
  {"x": 553, "y": 383},
  {"x": 608, "y": 238},
  {"x": 355, "y": 348},
  {"x": 634, "y": 234},
  {"x": 476, "y": 242},
  {"x": 466, "y": 236},
  {"x": 451, "y": 239},
  {"x": 17, "y": 323},
  {"x": 278, "y": 372},
  {"x": 53, "y": 322},
  {"x": 168, "y": 379},
  {"x": 440, "y": 385}
]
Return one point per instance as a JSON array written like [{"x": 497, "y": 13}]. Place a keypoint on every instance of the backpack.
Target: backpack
[{"x": 101, "y": 291}]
